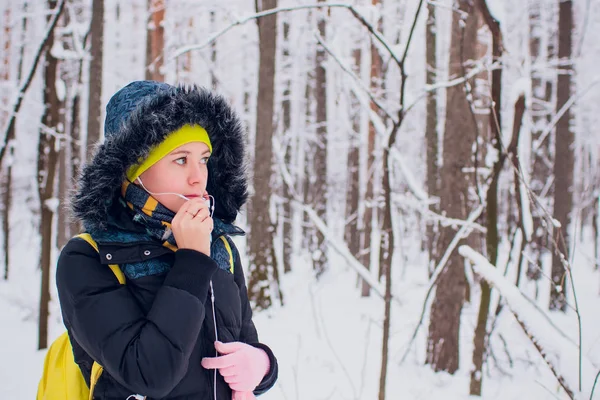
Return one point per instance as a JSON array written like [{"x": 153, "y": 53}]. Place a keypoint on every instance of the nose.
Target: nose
[{"x": 196, "y": 174}]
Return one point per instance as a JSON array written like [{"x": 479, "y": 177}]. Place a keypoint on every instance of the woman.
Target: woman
[{"x": 143, "y": 199}]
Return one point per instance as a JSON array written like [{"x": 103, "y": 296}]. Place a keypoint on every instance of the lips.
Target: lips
[{"x": 192, "y": 195}]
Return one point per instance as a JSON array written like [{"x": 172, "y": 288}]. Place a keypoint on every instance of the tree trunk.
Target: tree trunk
[
  {"x": 69, "y": 74},
  {"x": 514, "y": 154},
  {"x": 261, "y": 263},
  {"x": 214, "y": 82},
  {"x": 443, "y": 339},
  {"x": 352, "y": 228},
  {"x": 319, "y": 187},
  {"x": 370, "y": 202},
  {"x": 287, "y": 117},
  {"x": 155, "y": 41},
  {"x": 184, "y": 61},
  {"x": 76, "y": 149},
  {"x": 95, "y": 84},
  {"x": 7, "y": 198},
  {"x": 564, "y": 162},
  {"x": 431, "y": 134},
  {"x": 596, "y": 228},
  {"x": 308, "y": 231},
  {"x": 76, "y": 143},
  {"x": 4, "y": 102},
  {"x": 386, "y": 254},
  {"x": 541, "y": 110},
  {"x": 47, "y": 159},
  {"x": 480, "y": 341}
]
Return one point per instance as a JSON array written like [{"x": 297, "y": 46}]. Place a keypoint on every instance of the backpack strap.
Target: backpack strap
[
  {"x": 97, "y": 368},
  {"x": 114, "y": 267}
]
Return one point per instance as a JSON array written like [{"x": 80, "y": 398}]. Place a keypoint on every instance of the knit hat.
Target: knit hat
[{"x": 140, "y": 121}]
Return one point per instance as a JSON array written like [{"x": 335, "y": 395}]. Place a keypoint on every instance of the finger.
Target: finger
[
  {"x": 181, "y": 210},
  {"x": 198, "y": 202},
  {"x": 240, "y": 387},
  {"x": 219, "y": 362},
  {"x": 202, "y": 214},
  {"x": 228, "y": 371},
  {"x": 232, "y": 380},
  {"x": 228, "y": 348}
]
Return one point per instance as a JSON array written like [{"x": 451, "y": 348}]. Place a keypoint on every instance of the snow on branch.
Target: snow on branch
[
  {"x": 561, "y": 112},
  {"x": 408, "y": 203},
  {"x": 561, "y": 356},
  {"x": 480, "y": 66},
  {"x": 243, "y": 20},
  {"x": 25, "y": 85}
]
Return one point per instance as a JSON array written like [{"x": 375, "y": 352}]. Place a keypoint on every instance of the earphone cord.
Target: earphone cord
[
  {"x": 211, "y": 207},
  {"x": 212, "y": 298}
]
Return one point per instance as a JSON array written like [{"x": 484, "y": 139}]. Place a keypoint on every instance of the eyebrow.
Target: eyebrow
[{"x": 186, "y": 152}]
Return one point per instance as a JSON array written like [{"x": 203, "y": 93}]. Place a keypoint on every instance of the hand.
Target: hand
[
  {"x": 243, "y": 396},
  {"x": 192, "y": 226},
  {"x": 243, "y": 366}
]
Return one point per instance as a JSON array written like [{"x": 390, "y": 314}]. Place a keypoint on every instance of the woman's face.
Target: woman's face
[{"x": 182, "y": 171}]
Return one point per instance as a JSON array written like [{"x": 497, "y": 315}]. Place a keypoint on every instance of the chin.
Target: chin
[{"x": 173, "y": 206}]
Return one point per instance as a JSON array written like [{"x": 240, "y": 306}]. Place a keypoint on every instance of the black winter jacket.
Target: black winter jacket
[{"x": 151, "y": 334}]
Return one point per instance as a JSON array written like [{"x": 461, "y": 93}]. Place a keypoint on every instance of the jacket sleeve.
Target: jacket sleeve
[
  {"x": 148, "y": 354},
  {"x": 248, "y": 333}
]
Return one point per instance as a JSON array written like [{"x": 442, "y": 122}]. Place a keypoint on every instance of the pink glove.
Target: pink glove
[{"x": 243, "y": 366}]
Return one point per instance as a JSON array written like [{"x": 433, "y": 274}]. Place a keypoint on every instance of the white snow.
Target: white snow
[
  {"x": 327, "y": 338},
  {"x": 564, "y": 355}
]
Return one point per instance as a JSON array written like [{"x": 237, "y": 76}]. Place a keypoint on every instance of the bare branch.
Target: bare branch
[
  {"x": 320, "y": 225},
  {"x": 356, "y": 79},
  {"x": 410, "y": 35},
  {"x": 562, "y": 112},
  {"x": 265, "y": 13},
  {"x": 23, "y": 89}
]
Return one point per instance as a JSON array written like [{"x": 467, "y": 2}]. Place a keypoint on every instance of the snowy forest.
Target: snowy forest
[{"x": 424, "y": 218}]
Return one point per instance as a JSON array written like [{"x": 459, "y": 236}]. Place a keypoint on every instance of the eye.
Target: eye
[
  {"x": 204, "y": 160},
  {"x": 181, "y": 160}
]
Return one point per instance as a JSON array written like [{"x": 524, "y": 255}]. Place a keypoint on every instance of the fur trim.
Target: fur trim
[{"x": 146, "y": 124}]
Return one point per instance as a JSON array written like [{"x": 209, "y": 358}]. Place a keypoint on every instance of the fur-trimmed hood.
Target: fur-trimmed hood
[{"x": 140, "y": 116}]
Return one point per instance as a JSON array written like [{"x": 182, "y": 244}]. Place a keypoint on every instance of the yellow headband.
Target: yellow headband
[{"x": 185, "y": 134}]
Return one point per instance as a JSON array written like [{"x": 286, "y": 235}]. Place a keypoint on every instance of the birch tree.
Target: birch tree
[{"x": 542, "y": 51}]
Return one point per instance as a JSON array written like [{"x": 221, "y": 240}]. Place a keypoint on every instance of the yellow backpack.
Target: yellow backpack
[{"x": 62, "y": 379}]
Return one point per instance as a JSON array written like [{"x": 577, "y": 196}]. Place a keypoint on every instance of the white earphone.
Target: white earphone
[{"x": 210, "y": 205}]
